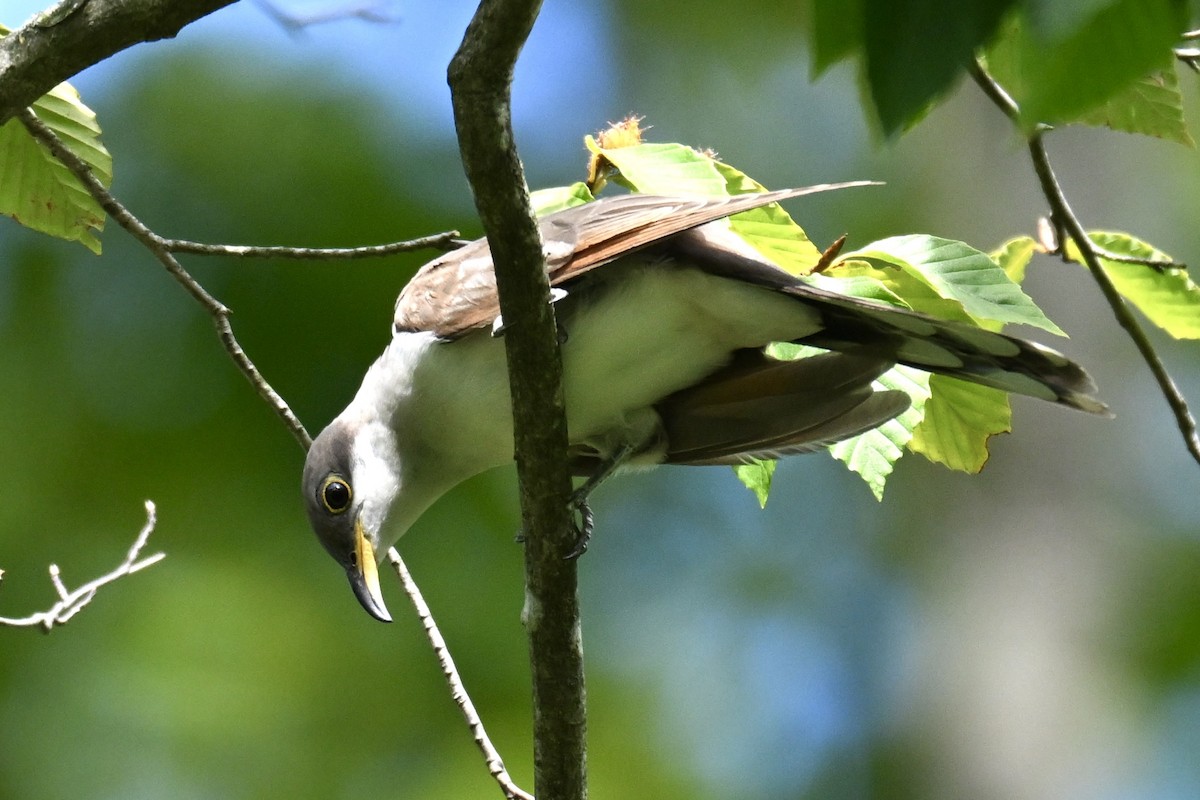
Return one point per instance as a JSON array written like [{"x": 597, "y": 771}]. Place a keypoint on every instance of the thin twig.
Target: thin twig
[
  {"x": 439, "y": 241},
  {"x": 164, "y": 250},
  {"x": 161, "y": 250},
  {"x": 458, "y": 692},
  {"x": 71, "y": 602},
  {"x": 366, "y": 10},
  {"x": 1065, "y": 218}
]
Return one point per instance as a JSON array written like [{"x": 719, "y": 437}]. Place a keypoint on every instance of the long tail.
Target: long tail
[{"x": 948, "y": 348}]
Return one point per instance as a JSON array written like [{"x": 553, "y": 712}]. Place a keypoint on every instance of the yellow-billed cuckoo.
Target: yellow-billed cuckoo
[{"x": 664, "y": 314}]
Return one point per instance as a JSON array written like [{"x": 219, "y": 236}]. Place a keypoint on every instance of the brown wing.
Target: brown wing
[
  {"x": 456, "y": 293},
  {"x": 758, "y": 407}
]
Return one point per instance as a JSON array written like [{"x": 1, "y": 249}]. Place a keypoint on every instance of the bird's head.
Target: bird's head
[{"x": 351, "y": 479}]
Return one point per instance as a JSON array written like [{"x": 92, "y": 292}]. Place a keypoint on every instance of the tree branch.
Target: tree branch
[
  {"x": 458, "y": 692},
  {"x": 480, "y": 77},
  {"x": 75, "y": 34},
  {"x": 439, "y": 241},
  {"x": 70, "y": 602},
  {"x": 1065, "y": 218},
  {"x": 161, "y": 250}
]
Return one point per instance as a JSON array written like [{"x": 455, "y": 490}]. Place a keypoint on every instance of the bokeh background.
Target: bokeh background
[{"x": 1032, "y": 632}]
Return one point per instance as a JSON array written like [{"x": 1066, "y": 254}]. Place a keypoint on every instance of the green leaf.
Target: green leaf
[
  {"x": 1062, "y": 71},
  {"x": 960, "y": 417},
  {"x": 1152, "y": 106},
  {"x": 667, "y": 168},
  {"x": 557, "y": 198},
  {"x": 36, "y": 189},
  {"x": 865, "y": 286},
  {"x": 836, "y": 32},
  {"x": 873, "y": 454},
  {"x": 1167, "y": 297},
  {"x": 770, "y": 229},
  {"x": 909, "y": 288},
  {"x": 957, "y": 271},
  {"x": 1014, "y": 256},
  {"x": 915, "y": 50},
  {"x": 757, "y": 476},
  {"x": 663, "y": 168}
]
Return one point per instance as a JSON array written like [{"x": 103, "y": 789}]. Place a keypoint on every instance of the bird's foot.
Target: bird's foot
[{"x": 583, "y": 521}]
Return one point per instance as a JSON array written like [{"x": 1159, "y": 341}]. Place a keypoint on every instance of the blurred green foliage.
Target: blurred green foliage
[{"x": 1029, "y": 632}]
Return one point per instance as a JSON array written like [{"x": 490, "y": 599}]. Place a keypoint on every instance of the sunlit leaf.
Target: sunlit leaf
[
  {"x": 757, "y": 477},
  {"x": 959, "y": 419},
  {"x": 665, "y": 168},
  {"x": 873, "y": 454},
  {"x": 1152, "y": 106},
  {"x": 547, "y": 201},
  {"x": 957, "y": 271},
  {"x": 1167, "y": 297},
  {"x": 1014, "y": 256},
  {"x": 36, "y": 189}
]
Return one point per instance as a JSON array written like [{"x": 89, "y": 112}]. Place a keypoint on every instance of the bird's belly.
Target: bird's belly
[
  {"x": 655, "y": 330},
  {"x": 647, "y": 333}
]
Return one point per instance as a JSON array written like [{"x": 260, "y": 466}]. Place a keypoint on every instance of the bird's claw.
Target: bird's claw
[{"x": 583, "y": 521}]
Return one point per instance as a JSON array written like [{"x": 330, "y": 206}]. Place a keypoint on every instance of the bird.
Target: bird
[{"x": 664, "y": 315}]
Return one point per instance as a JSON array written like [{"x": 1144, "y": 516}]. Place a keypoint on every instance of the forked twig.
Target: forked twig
[
  {"x": 458, "y": 692},
  {"x": 71, "y": 602},
  {"x": 1065, "y": 218}
]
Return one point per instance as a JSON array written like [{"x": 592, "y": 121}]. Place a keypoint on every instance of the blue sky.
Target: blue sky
[{"x": 405, "y": 59}]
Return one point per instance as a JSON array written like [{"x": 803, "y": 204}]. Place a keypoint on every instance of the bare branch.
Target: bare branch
[
  {"x": 1065, "y": 218},
  {"x": 458, "y": 691},
  {"x": 71, "y": 602},
  {"x": 159, "y": 247},
  {"x": 439, "y": 241}
]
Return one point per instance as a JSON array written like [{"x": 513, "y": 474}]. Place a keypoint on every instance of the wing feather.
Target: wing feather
[{"x": 456, "y": 293}]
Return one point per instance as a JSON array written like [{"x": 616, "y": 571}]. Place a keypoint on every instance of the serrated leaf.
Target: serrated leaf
[
  {"x": 757, "y": 476},
  {"x": 959, "y": 272},
  {"x": 873, "y": 454},
  {"x": 1167, "y": 297},
  {"x": 1014, "y": 256},
  {"x": 959, "y": 419},
  {"x": 36, "y": 189},
  {"x": 1152, "y": 106},
  {"x": 558, "y": 198}
]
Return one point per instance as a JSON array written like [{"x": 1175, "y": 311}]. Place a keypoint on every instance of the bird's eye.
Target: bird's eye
[{"x": 335, "y": 494}]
